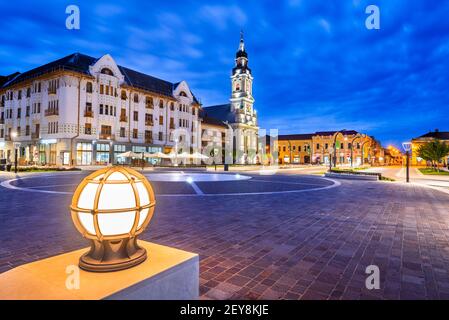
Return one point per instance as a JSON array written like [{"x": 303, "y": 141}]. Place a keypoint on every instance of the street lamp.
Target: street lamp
[
  {"x": 14, "y": 136},
  {"x": 407, "y": 147},
  {"x": 111, "y": 207}
]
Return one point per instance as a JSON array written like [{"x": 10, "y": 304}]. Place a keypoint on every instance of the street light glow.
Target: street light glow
[{"x": 111, "y": 207}]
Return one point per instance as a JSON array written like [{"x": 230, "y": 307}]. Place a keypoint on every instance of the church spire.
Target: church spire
[
  {"x": 242, "y": 42},
  {"x": 241, "y": 58}
]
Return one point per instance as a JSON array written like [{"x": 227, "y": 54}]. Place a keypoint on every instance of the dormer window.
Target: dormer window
[
  {"x": 182, "y": 94},
  {"x": 107, "y": 71}
]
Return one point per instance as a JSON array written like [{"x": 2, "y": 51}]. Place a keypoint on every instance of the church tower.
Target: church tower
[{"x": 242, "y": 100}]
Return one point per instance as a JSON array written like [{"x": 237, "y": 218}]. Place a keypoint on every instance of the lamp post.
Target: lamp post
[
  {"x": 335, "y": 146},
  {"x": 358, "y": 136},
  {"x": 111, "y": 207},
  {"x": 407, "y": 147},
  {"x": 14, "y": 136}
]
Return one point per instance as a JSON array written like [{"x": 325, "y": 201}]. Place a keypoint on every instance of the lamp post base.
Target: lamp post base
[{"x": 112, "y": 255}]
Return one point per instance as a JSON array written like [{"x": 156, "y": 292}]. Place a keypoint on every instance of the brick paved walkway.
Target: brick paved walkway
[{"x": 312, "y": 245}]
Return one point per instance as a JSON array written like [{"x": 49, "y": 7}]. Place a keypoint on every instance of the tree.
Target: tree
[{"x": 433, "y": 151}]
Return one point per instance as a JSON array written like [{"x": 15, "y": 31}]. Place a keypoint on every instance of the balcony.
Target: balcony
[
  {"x": 149, "y": 123},
  {"x": 52, "y": 112},
  {"x": 88, "y": 113},
  {"x": 149, "y": 140},
  {"x": 123, "y": 118},
  {"x": 106, "y": 136}
]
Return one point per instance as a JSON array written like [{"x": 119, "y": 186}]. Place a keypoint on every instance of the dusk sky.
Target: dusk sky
[{"x": 315, "y": 64}]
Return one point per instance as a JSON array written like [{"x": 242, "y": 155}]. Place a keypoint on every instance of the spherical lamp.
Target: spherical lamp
[{"x": 111, "y": 207}]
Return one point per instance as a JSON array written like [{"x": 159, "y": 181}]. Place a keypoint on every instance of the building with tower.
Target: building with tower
[
  {"x": 239, "y": 114},
  {"x": 82, "y": 110}
]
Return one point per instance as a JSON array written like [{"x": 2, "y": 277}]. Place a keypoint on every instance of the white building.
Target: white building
[
  {"x": 240, "y": 115},
  {"x": 81, "y": 110}
]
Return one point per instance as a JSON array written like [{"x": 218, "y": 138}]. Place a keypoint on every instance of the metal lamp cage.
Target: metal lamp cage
[{"x": 100, "y": 178}]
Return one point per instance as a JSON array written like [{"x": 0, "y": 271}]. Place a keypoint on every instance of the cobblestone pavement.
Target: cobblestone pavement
[{"x": 310, "y": 245}]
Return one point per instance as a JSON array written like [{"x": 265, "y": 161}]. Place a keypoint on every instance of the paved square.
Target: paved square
[{"x": 273, "y": 244}]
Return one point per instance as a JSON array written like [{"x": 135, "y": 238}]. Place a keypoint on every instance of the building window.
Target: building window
[
  {"x": 183, "y": 94},
  {"x": 27, "y": 112},
  {"x": 101, "y": 89},
  {"x": 106, "y": 109},
  {"x": 119, "y": 148},
  {"x": 172, "y": 106},
  {"x": 149, "y": 102},
  {"x": 161, "y": 104},
  {"x": 148, "y": 119},
  {"x": 317, "y": 146},
  {"x": 160, "y": 136},
  {"x": 27, "y": 130},
  {"x": 102, "y": 155},
  {"x": 105, "y": 132},
  {"x": 19, "y": 95},
  {"x": 161, "y": 120},
  {"x": 89, "y": 87},
  {"x": 28, "y": 92},
  {"x": 88, "y": 128},
  {"x": 83, "y": 153},
  {"x": 19, "y": 113},
  {"x": 122, "y": 132},
  {"x": 123, "y": 95},
  {"x": 136, "y": 98},
  {"x": 136, "y": 115},
  {"x": 101, "y": 109},
  {"x": 107, "y": 71},
  {"x": 135, "y": 133}
]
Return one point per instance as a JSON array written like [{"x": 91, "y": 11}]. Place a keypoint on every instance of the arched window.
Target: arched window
[
  {"x": 107, "y": 71},
  {"x": 136, "y": 97},
  {"x": 161, "y": 104},
  {"x": 149, "y": 102},
  {"x": 237, "y": 86},
  {"x": 89, "y": 87},
  {"x": 123, "y": 95},
  {"x": 183, "y": 94}
]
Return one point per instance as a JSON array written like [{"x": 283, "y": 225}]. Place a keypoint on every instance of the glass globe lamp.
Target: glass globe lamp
[{"x": 111, "y": 207}]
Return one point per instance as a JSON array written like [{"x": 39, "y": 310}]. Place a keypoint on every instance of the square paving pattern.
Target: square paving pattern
[{"x": 310, "y": 245}]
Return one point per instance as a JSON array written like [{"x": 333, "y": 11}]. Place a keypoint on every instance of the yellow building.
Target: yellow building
[
  {"x": 317, "y": 148},
  {"x": 425, "y": 138}
]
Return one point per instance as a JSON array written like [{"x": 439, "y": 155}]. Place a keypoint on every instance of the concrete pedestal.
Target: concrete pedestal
[{"x": 167, "y": 273}]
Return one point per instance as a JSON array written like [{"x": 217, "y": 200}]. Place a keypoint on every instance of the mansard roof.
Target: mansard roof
[
  {"x": 80, "y": 63},
  {"x": 303, "y": 136},
  {"x": 221, "y": 112},
  {"x": 442, "y": 135},
  {"x": 331, "y": 133}
]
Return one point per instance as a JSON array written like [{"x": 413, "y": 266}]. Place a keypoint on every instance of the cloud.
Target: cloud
[
  {"x": 223, "y": 16},
  {"x": 315, "y": 65}
]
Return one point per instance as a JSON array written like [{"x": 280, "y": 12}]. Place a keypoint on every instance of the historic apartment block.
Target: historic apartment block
[{"x": 80, "y": 110}]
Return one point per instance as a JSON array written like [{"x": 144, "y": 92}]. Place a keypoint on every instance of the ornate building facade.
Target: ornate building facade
[
  {"x": 239, "y": 115},
  {"x": 345, "y": 147},
  {"x": 80, "y": 110}
]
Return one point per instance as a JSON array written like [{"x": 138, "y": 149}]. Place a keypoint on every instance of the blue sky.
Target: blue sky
[{"x": 316, "y": 66}]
